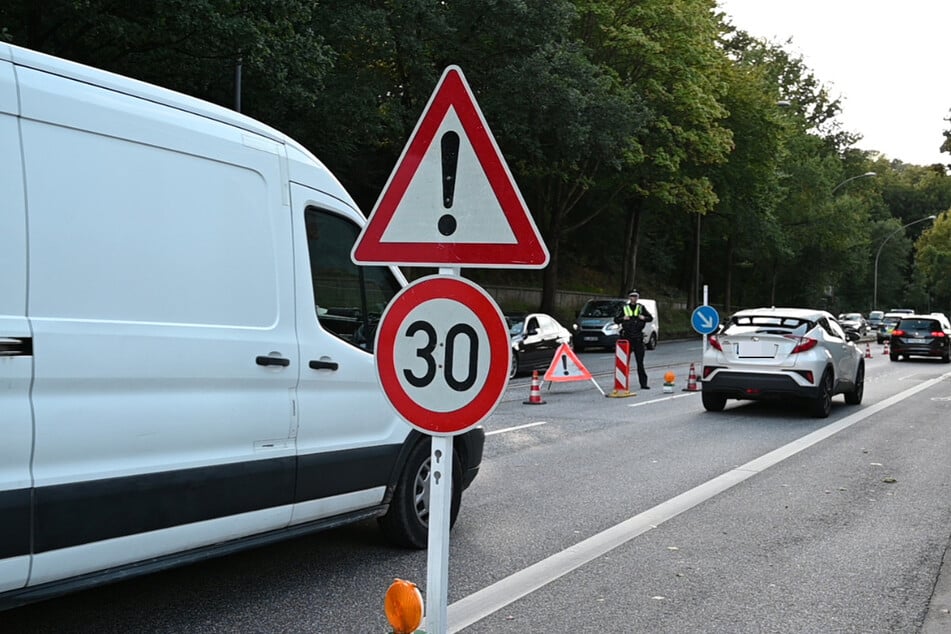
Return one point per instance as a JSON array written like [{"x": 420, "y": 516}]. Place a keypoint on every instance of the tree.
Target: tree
[
  {"x": 933, "y": 259},
  {"x": 668, "y": 48},
  {"x": 193, "y": 46}
]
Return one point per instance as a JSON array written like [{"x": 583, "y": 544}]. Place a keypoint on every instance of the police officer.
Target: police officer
[{"x": 632, "y": 318}]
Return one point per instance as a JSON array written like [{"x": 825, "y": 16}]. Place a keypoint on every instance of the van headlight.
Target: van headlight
[{"x": 611, "y": 328}]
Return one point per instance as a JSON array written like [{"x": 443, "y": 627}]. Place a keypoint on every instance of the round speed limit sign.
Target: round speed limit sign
[{"x": 443, "y": 354}]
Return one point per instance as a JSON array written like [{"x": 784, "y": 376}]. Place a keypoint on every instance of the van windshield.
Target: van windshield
[{"x": 601, "y": 308}]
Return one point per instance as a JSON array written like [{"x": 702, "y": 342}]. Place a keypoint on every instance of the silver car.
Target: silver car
[{"x": 775, "y": 353}]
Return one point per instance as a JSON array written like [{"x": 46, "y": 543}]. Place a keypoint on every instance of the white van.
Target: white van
[
  {"x": 185, "y": 344},
  {"x": 595, "y": 326}
]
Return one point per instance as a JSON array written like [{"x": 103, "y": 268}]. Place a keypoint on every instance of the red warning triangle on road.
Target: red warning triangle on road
[
  {"x": 566, "y": 367},
  {"x": 451, "y": 199}
]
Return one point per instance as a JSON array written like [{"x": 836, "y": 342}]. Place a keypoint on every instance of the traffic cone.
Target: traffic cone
[
  {"x": 535, "y": 394},
  {"x": 868, "y": 350},
  {"x": 692, "y": 380},
  {"x": 885, "y": 351}
]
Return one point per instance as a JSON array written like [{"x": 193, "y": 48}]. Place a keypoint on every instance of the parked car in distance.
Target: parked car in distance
[
  {"x": 782, "y": 353},
  {"x": 854, "y": 321},
  {"x": 875, "y": 320},
  {"x": 535, "y": 339},
  {"x": 920, "y": 336},
  {"x": 888, "y": 322},
  {"x": 595, "y": 328}
]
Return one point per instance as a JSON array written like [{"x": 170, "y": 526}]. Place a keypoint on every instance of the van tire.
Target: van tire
[
  {"x": 652, "y": 341},
  {"x": 406, "y": 523}
]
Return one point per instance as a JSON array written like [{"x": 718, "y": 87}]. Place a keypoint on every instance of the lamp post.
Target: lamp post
[
  {"x": 875, "y": 288},
  {"x": 849, "y": 180}
]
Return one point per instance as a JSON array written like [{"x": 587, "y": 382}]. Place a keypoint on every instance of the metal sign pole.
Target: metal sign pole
[
  {"x": 706, "y": 336},
  {"x": 440, "y": 505},
  {"x": 437, "y": 562}
]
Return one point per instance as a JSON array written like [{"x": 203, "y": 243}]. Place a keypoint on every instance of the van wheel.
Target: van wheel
[
  {"x": 406, "y": 523},
  {"x": 652, "y": 342}
]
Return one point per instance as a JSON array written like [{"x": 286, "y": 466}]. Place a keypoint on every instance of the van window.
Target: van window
[{"x": 349, "y": 298}]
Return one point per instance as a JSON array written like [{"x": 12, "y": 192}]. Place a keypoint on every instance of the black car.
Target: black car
[
  {"x": 920, "y": 336},
  {"x": 535, "y": 339}
]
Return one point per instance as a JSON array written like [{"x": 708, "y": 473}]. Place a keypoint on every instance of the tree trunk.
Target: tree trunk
[
  {"x": 550, "y": 280},
  {"x": 729, "y": 277},
  {"x": 631, "y": 241}
]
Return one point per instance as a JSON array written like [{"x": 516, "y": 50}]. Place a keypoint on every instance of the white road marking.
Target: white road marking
[
  {"x": 502, "y": 431},
  {"x": 662, "y": 399},
  {"x": 490, "y": 599}
]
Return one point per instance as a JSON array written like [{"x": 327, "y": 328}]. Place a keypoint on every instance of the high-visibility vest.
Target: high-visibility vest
[{"x": 632, "y": 312}]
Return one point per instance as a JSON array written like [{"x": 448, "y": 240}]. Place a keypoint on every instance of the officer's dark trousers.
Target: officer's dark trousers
[{"x": 637, "y": 350}]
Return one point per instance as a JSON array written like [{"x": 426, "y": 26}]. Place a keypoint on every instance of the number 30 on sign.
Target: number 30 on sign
[{"x": 443, "y": 354}]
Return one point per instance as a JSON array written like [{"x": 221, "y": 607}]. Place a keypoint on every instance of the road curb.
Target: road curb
[{"x": 938, "y": 617}]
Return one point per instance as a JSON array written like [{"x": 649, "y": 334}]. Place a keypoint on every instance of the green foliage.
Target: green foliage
[
  {"x": 933, "y": 258},
  {"x": 627, "y": 124}
]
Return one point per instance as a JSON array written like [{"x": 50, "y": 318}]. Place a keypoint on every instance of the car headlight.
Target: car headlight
[
  {"x": 611, "y": 329},
  {"x": 574, "y": 326}
]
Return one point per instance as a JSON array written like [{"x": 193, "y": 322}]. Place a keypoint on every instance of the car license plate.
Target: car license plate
[
  {"x": 915, "y": 340},
  {"x": 590, "y": 338},
  {"x": 756, "y": 350}
]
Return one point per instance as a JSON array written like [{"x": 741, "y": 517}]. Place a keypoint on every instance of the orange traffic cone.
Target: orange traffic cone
[
  {"x": 868, "y": 350},
  {"x": 885, "y": 351},
  {"x": 535, "y": 394},
  {"x": 692, "y": 381}
]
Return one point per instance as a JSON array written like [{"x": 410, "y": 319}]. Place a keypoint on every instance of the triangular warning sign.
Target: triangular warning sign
[
  {"x": 566, "y": 367},
  {"x": 451, "y": 199}
]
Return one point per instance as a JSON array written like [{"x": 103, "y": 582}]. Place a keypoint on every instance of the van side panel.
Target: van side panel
[
  {"x": 16, "y": 359},
  {"x": 161, "y": 300},
  {"x": 346, "y": 453}
]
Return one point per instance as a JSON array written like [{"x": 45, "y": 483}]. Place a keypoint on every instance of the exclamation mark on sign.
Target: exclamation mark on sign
[
  {"x": 564, "y": 363},
  {"x": 450, "y": 159}
]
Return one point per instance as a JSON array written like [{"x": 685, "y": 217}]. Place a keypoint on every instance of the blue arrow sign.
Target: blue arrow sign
[{"x": 705, "y": 319}]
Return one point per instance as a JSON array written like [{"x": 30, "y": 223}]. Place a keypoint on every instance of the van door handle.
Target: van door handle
[
  {"x": 324, "y": 365},
  {"x": 16, "y": 346},
  {"x": 265, "y": 360}
]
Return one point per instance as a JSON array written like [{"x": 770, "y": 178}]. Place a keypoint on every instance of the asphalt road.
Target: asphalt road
[{"x": 641, "y": 514}]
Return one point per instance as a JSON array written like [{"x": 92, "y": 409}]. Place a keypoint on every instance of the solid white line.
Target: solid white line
[
  {"x": 490, "y": 599},
  {"x": 662, "y": 399},
  {"x": 502, "y": 431}
]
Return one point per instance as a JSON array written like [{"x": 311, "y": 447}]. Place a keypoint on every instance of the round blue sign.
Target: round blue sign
[{"x": 705, "y": 319}]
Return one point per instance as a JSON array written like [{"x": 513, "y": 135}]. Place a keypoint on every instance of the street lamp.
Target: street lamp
[
  {"x": 875, "y": 290},
  {"x": 849, "y": 180}
]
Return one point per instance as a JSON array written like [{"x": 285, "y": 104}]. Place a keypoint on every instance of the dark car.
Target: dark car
[
  {"x": 875, "y": 320},
  {"x": 535, "y": 339},
  {"x": 920, "y": 336}
]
